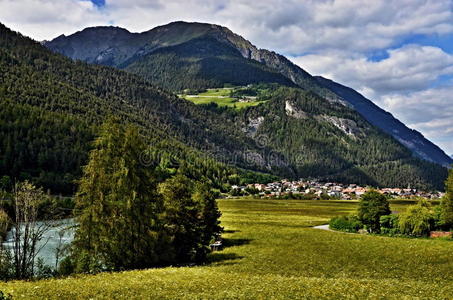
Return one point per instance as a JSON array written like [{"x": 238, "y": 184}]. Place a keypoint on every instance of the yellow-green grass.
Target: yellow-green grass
[
  {"x": 221, "y": 96},
  {"x": 272, "y": 253}
]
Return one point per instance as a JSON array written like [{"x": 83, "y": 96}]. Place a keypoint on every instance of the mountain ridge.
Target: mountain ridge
[
  {"x": 113, "y": 52},
  {"x": 51, "y": 106}
]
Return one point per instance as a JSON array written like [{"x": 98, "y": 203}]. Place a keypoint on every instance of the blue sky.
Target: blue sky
[
  {"x": 98, "y": 3},
  {"x": 398, "y": 53}
]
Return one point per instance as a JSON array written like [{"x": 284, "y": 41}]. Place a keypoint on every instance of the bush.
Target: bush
[
  {"x": 372, "y": 206},
  {"x": 6, "y": 265},
  {"x": 346, "y": 223},
  {"x": 418, "y": 220},
  {"x": 389, "y": 224},
  {"x": 5, "y": 296}
]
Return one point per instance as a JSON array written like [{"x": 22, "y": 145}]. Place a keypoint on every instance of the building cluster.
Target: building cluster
[{"x": 331, "y": 189}]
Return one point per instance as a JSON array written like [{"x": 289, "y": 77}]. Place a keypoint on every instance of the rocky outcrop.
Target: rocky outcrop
[
  {"x": 347, "y": 126},
  {"x": 292, "y": 111}
]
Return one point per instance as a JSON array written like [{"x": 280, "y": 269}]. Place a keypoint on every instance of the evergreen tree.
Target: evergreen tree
[
  {"x": 183, "y": 218},
  {"x": 117, "y": 204},
  {"x": 211, "y": 214}
]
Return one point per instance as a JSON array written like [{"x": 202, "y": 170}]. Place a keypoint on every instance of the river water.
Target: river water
[{"x": 59, "y": 235}]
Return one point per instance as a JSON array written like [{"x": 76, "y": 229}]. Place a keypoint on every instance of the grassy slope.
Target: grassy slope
[
  {"x": 221, "y": 96},
  {"x": 272, "y": 253}
]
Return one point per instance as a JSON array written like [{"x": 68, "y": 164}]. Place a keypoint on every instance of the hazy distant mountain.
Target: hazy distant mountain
[{"x": 194, "y": 55}]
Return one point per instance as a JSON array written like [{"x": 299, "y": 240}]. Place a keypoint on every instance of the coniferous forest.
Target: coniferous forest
[{"x": 52, "y": 107}]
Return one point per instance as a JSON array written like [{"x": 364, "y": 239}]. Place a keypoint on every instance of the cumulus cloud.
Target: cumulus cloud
[
  {"x": 45, "y": 19},
  {"x": 402, "y": 83},
  {"x": 429, "y": 111},
  {"x": 289, "y": 26},
  {"x": 407, "y": 69}
]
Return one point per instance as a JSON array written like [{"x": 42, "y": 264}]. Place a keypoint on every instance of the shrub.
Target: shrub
[
  {"x": 418, "y": 219},
  {"x": 5, "y": 296},
  {"x": 346, "y": 223},
  {"x": 372, "y": 206},
  {"x": 389, "y": 224},
  {"x": 6, "y": 265}
]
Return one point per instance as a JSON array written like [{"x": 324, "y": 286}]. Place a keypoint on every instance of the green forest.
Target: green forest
[{"x": 52, "y": 106}]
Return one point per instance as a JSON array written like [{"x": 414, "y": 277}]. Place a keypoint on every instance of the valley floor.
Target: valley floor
[{"x": 273, "y": 253}]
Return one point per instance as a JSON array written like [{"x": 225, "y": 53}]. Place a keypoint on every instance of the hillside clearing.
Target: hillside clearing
[{"x": 221, "y": 96}]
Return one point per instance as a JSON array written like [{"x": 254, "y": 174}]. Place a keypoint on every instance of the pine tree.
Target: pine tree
[
  {"x": 117, "y": 204},
  {"x": 183, "y": 218},
  {"x": 211, "y": 214}
]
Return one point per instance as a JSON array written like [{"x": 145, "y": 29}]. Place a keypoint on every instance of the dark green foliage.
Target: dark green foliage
[
  {"x": 447, "y": 203},
  {"x": 417, "y": 220},
  {"x": 134, "y": 212},
  {"x": 389, "y": 224},
  {"x": 6, "y": 265},
  {"x": 201, "y": 63},
  {"x": 313, "y": 146},
  {"x": 5, "y": 296},
  {"x": 51, "y": 107},
  {"x": 117, "y": 205},
  {"x": 191, "y": 218},
  {"x": 372, "y": 206},
  {"x": 346, "y": 223}
]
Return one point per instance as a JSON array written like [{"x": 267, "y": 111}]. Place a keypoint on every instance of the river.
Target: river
[{"x": 59, "y": 235}]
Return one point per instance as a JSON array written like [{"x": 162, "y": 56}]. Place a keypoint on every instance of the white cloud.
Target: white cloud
[
  {"x": 289, "y": 26},
  {"x": 45, "y": 19},
  {"x": 401, "y": 83},
  {"x": 407, "y": 69},
  {"x": 429, "y": 111}
]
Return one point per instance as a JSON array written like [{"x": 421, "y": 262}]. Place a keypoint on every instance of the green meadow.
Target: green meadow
[
  {"x": 271, "y": 252},
  {"x": 221, "y": 96}
]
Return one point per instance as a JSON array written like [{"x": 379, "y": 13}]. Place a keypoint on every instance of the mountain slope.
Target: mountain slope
[
  {"x": 51, "y": 107},
  {"x": 183, "y": 55},
  {"x": 412, "y": 139},
  {"x": 332, "y": 142}
]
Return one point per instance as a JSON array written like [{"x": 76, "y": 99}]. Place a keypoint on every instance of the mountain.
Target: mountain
[
  {"x": 184, "y": 55},
  {"x": 51, "y": 107},
  {"x": 410, "y": 138}
]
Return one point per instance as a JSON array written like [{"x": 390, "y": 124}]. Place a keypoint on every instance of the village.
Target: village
[{"x": 325, "y": 190}]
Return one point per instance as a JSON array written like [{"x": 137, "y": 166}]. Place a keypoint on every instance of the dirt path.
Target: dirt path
[{"x": 323, "y": 227}]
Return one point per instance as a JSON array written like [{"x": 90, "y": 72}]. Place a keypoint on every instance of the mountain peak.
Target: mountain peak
[{"x": 182, "y": 55}]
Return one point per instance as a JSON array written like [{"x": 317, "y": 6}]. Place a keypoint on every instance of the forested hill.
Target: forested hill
[
  {"x": 51, "y": 107},
  {"x": 184, "y": 55}
]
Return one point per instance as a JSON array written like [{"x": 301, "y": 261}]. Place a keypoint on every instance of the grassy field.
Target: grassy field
[
  {"x": 221, "y": 96},
  {"x": 272, "y": 253}
]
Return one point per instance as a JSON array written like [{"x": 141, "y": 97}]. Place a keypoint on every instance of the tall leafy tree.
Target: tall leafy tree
[
  {"x": 372, "y": 206},
  {"x": 117, "y": 204}
]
